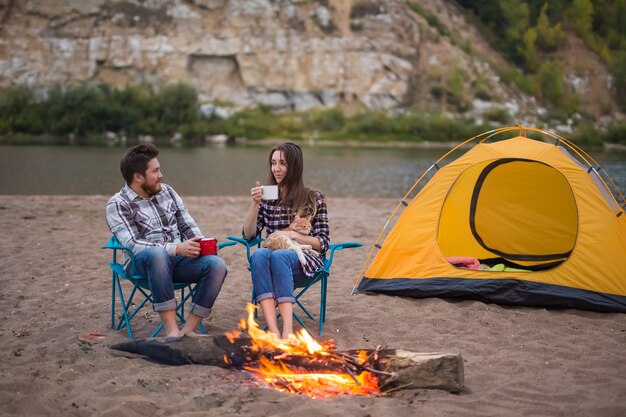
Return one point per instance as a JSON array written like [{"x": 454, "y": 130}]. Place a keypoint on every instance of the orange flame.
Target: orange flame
[{"x": 276, "y": 357}]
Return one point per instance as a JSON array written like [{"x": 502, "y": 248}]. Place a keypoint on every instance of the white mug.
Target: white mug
[{"x": 270, "y": 192}]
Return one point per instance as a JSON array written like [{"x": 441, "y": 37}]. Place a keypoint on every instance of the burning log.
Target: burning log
[
  {"x": 299, "y": 364},
  {"x": 394, "y": 368}
]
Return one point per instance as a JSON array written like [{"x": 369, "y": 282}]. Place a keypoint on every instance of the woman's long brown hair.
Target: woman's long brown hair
[{"x": 293, "y": 193}]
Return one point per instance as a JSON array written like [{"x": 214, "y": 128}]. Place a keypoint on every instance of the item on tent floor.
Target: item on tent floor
[
  {"x": 530, "y": 205},
  {"x": 466, "y": 262}
]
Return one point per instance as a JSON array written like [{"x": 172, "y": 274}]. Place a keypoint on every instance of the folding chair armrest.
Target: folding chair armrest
[
  {"x": 251, "y": 243},
  {"x": 225, "y": 244},
  {"x": 345, "y": 245},
  {"x": 248, "y": 244},
  {"x": 335, "y": 247},
  {"x": 115, "y": 245}
]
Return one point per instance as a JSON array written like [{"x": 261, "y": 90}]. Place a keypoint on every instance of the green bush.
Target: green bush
[
  {"x": 178, "y": 105},
  {"x": 256, "y": 123},
  {"x": 550, "y": 81},
  {"x": 20, "y": 112},
  {"x": 456, "y": 81},
  {"x": 482, "y": 95},
  {"x": 615, "y": 133},
  {"x": 586, "y": 135},
  {"x": 548, "y": 38},
  {"x": 499, "y": 115},
  {"x": 88, "y": 112},
  {"x": 437, "y": 91},
  {"x": 329, "y": 120},
  {"x": 619, "y": 69},
  {"x": 528, "y": 50},
  {"x": 374, "y": 125}
]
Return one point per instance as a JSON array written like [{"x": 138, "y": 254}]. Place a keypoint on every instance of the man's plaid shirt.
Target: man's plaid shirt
[
  {"x": 161, "y": 220},
  {"x": 273, "y": 217}
]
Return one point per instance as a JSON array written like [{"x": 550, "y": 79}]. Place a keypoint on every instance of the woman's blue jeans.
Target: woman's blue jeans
[
  {"x": 163, "y": 270},
  {"x": 273, "y": 273}
]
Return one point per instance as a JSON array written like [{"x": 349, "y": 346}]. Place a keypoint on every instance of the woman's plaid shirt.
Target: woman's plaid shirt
[{"x": 273, "y": 217}]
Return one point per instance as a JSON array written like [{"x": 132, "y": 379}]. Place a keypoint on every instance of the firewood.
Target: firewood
[{"x": 395, "y": 368}]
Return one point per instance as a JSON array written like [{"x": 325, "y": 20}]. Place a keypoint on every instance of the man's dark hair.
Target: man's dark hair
[{"x": 136, "y": 160}]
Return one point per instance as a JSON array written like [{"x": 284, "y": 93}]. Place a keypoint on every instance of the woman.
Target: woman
[{"x": 274, "y": 272}]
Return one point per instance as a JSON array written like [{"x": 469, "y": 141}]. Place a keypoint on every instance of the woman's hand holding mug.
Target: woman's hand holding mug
[{"x": 256, "y": 193}]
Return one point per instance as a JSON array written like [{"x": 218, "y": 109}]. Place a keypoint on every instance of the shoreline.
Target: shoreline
[{"x": 396, "y": 144}]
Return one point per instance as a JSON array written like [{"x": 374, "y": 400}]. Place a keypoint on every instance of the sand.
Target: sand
[{"x": 56, "y": 286}]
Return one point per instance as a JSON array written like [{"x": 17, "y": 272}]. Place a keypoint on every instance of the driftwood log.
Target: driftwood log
[{"x": 399, "y": 368}]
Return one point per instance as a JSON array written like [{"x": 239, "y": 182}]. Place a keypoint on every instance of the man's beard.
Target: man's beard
[{"x": 151, "y": 190}]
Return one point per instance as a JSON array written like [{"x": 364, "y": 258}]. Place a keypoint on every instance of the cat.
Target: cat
[{"x": 301, "y": 224}]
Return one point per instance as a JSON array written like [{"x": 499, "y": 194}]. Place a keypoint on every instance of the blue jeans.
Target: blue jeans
[
  {"x": 273, "y": 274},
  {"x": 162, "y": 271}
]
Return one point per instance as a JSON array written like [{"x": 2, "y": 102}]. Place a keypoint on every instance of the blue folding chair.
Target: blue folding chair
[
  {"x": 140, "y": 284},
  {"x": 303, "y": 285}
]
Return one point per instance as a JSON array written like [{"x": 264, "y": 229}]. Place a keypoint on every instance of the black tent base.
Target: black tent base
[{"x": 499, "y": 291}]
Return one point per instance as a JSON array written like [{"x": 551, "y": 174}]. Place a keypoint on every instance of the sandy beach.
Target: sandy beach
[{"x": 56, "y": 286}]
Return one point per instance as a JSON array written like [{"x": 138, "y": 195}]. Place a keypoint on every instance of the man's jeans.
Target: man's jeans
[
  {"x": 162, "y": 271},
  {"x": 273, "y": 273}
]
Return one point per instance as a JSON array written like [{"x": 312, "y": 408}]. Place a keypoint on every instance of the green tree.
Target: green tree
[
  {"x": 178, "y": 105},
  {"x": 551, "y": 82},
  {"x": 74, "y": 110},
  {"x": 516, "y": 17},
  {"x": 620, "y": 17},
  {"x": 619, "y": 69},
  {"x": 548, "y": 38},
  {"x": 455, "y": 81},
  {"x": 580, "y": 14},
  {"x": 528, "y": 50},
  {"x": 19, "y": 111}
]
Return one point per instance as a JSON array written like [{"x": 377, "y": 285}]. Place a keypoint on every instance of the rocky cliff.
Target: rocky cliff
[{"x": 287, "y": 54}]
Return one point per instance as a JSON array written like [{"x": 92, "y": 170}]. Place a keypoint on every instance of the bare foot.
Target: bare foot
[{"x": 175, "y": 333}]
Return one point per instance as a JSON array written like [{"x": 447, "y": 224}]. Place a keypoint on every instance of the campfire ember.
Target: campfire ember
[{"x": 301, "y": 365}]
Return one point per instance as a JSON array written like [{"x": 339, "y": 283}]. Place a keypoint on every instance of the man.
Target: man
[{"x": 150, "y": 218}]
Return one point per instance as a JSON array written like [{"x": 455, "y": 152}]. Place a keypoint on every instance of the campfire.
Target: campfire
[{"x": 301, "y": 365}]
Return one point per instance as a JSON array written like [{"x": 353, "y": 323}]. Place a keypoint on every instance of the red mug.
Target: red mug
[{"x": 208, "y": 246}]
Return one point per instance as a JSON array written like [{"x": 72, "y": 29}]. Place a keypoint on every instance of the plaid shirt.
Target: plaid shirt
[
  {"x": 161, "y": 220},
  {"x": 273, "y": 217}
]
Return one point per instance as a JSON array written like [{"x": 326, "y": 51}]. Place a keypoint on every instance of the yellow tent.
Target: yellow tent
[{"x": 514, "y": 221}]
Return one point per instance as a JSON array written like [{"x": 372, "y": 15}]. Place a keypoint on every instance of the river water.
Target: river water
[{"x": 229, "y": 170}]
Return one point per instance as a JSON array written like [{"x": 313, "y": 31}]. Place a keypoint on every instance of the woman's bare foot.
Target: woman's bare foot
[{"x": 175, "y": 333}]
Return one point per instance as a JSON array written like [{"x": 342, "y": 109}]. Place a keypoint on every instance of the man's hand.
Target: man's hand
[{"x": 189, "y": 248}]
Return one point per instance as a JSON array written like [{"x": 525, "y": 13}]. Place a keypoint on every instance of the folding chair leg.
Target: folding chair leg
[
  {"x": 126, "y": 319},
  {"x": 295, "y": 316},
  {"x": 158, "y": 329},
  {"x": 305, "y": 310},
  {"x": 113, "y": 301},
  {"x": 137, "y": 309},
  {"x": 322, "y": 304},
  {"x": 182, "y": 303}
]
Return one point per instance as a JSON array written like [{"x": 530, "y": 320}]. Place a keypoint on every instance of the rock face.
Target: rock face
[{"x": 286, "y": 54}]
